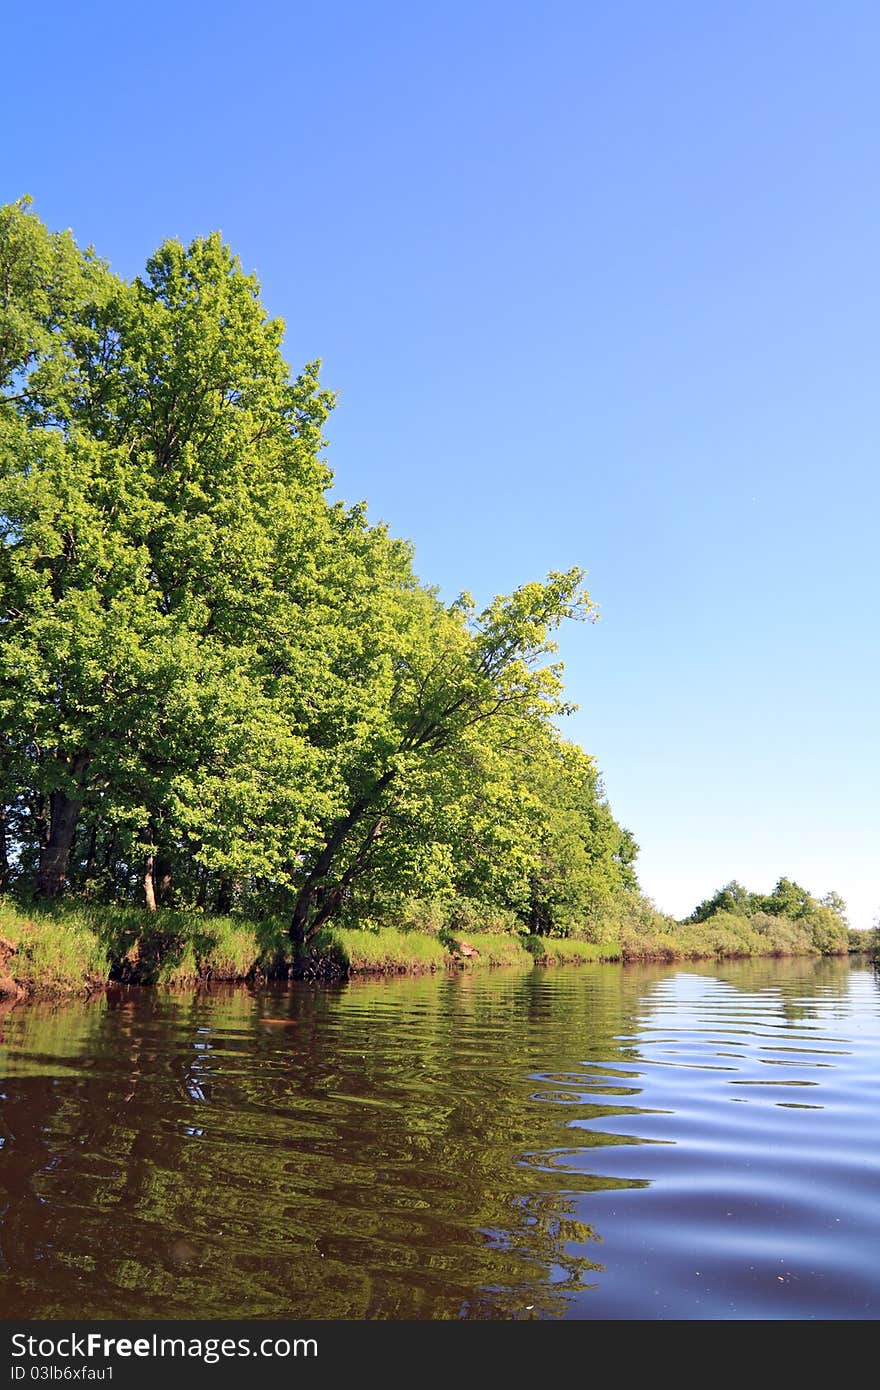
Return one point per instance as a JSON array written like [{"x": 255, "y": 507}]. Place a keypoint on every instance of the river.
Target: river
[{"x": 583, "y": 1142}]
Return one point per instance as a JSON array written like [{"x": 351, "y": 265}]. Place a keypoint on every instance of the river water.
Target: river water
[{"x": 584, "y": 1142}]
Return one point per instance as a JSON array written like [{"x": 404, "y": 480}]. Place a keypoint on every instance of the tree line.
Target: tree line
[
  {"x": 219, "y": 685},
  {"x": 822, "y": 922}
]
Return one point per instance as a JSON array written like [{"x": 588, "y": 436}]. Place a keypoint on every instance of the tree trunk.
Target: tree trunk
[
  {"x": 54, "y": 852},
  {"x": 301, "y": 910},
  {"x": 4, "y": 853},
  {"x": 149, "y": 884},
  {"x": 317, "y": 900},
  {"x": 91, "y": 852},
  {"x": 40, "y": 820},
  {"x": 163, "y": 878},
  {"x": 57, "y": 837}
]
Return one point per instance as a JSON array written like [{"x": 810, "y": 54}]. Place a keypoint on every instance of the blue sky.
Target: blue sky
[{"x": 597, "y": 284}]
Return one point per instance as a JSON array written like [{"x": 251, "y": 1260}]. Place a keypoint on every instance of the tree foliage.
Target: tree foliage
[
  {"x": 221, "y": 687},
  {"x": 824, "y": 919}
]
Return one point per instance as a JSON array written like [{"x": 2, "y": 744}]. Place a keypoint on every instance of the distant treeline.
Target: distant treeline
[{"x": 789, "y": 917}]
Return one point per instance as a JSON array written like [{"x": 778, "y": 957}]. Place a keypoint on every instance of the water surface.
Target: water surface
[{"x": 595, "y": 1142}]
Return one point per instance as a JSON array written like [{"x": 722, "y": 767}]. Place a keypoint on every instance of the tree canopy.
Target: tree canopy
[{"x": 220, "y": 685}]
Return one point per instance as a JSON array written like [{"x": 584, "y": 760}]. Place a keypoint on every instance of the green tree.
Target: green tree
[
  {"x": 159, "y": 472},
  {"x": 221, "y": 687},
  {"x": 733, "y": 897},
  {"x": 446, "y": 673},
  {"x": 835, "y": 903},
  {"x": 789, "y": 899}
]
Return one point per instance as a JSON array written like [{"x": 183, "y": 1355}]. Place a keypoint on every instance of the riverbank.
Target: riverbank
[{"x": 74, "y": 948}]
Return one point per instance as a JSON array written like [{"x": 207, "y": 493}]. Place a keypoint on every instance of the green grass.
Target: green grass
[
  {"x": 73, "y": 946},
  {"x": 215, "y": 948},
  {"x": 41, "y": 951},
  {"x": 491, "y": 949},
  {"x": 570, "y": 951},
  {"x": 345, "y": 950}
]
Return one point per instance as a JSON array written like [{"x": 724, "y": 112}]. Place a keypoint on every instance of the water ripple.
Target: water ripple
[{"x": 605, "y": 1142}]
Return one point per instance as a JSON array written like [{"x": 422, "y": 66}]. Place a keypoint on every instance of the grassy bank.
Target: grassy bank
[
  {"x": 546, "y": 950},
  {"x": 42, "y": 954},
  {"x": 74, "y": 948},
  {"x": 340, "y": 951}
]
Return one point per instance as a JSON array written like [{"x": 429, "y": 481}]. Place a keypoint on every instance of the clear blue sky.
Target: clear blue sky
[{"x": 597, "y": 284}]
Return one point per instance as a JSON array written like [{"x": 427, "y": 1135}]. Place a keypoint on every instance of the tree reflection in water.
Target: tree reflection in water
[{"x": 414, "y": 1148}]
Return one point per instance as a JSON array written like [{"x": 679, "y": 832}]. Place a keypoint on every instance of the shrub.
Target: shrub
[{"x": 829, "y": 933}]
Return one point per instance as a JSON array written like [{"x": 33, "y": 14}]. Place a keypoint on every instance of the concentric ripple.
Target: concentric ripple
[{"x": 600, "y": 1142}]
